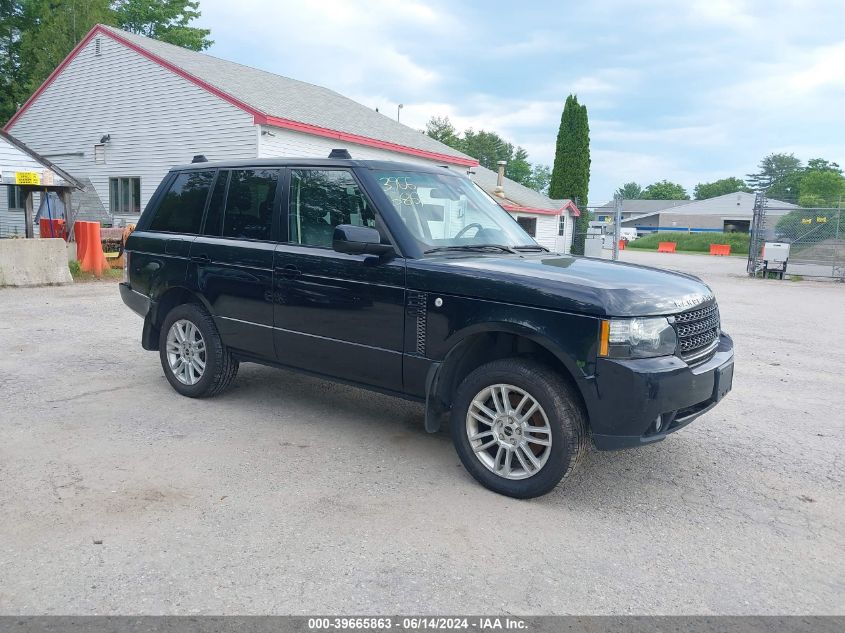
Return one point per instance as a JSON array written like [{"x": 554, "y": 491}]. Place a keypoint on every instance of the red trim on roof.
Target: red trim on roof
[
  {"x": 316, "y": 130},
  {"x": 515, "y": 208},
  {"x": 258, "y": 116},
  {"x": 574, "y": 210},
  {"x": 569, "y": 206}
]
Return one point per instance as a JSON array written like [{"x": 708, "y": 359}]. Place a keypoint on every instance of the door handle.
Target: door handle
[
  {"x": 289, "y": 271},
  {"x": 202, "y": 259}
]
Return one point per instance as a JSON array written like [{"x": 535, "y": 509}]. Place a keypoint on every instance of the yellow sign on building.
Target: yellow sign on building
[{"x": 27, "y": 178}]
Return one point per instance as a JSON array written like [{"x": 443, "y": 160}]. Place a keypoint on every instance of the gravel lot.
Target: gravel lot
[{"x": 293, "y": 495}]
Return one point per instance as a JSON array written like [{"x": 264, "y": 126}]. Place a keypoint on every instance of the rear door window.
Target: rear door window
[
  {"x": 182, "y": 206},
  {"x": 250, "y": 201}
]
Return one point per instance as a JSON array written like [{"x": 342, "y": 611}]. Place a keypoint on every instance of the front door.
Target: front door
[
  {"x": 232, "y": 261},
  {"x": 336, "y": 314}
]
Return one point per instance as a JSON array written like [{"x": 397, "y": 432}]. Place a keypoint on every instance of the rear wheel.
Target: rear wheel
[
  {"x": 196, "y": 363},
  {"x": 517, "y": 427}
]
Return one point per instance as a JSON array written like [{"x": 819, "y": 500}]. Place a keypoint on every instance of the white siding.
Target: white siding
[
  {"x": 287, "y": 143},
  {"x": 11, "y": 222},
  {"x": 547, "y": 229},
  {"x": 156, "y": 119},
  {"x": 13, "y": 160}
]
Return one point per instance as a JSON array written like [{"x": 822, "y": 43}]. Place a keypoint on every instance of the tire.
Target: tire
[
  {"x": 559, "y": 413},
  {"x": 218, "y": 367}
]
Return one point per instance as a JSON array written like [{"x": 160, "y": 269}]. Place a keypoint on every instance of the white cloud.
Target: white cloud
[
  {"x": 339, "y": 44},
  {"x": 689, "y": 91}
]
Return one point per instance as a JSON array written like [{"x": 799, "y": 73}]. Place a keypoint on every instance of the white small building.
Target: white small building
[
  {"x": 24, "y": 179},
  {"x": 122, "y": 109}
]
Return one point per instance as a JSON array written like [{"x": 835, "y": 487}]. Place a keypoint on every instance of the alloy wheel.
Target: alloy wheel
[
  {"x": 509, "y": 431},
  {"x": 186, "y": 352}
]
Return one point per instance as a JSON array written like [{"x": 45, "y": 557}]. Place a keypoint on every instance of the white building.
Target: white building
[
  {"x": 122, "y": 109},
  {"x": 25, "y": 177}
]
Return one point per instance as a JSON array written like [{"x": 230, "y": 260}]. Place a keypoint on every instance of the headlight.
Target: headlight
[{"x": 637, "y": 338}]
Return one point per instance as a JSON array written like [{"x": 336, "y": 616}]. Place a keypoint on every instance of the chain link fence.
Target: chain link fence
[{"x": 816, "y": 239}]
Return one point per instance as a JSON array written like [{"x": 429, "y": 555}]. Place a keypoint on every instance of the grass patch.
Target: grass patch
[
  {"x": 694, "y": 242},
  {"x": 109, "y": 274}
]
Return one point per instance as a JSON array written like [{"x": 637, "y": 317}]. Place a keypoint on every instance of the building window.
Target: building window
[
  {"x": 125, "y": 195},
  {"x": 529, "y": 225},
  {"x": 100, "y": 154},
  {"x": 16, "y": 198},
  {"x": 561, "y": 225}
]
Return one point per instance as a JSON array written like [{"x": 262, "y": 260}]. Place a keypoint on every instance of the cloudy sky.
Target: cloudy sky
[{"x": 687, "y": 90}]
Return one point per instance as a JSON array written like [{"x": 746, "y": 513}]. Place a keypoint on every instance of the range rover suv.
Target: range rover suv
[{"x": 412, "y": 281}]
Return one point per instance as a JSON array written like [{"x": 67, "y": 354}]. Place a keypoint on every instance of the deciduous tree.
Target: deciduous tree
[
  {"x": 165, "y": 20},
  {"x": 665, "y": 190},
  {"x": 705, "y": 190},
  {"x": 629, "y": 191},
  {"x": 773, "y": 168}
]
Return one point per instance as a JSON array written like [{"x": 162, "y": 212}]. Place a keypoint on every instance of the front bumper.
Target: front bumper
[{"x": 628, "y": 396}]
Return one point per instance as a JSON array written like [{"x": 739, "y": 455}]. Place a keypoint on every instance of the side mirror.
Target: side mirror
[{"x": 358, "y": 240}]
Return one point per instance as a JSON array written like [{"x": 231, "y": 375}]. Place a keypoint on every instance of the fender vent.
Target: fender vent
[{"x": 418, "y": 308}]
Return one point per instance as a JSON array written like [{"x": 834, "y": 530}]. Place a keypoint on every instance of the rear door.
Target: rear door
[
  {"x": 232, "y": 261},
  {"x": 336, "y": 314},
  {"x": 160, "y": 249}
]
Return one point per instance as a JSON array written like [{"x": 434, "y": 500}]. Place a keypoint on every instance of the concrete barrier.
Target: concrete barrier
[{"x": 33, "y": 262}]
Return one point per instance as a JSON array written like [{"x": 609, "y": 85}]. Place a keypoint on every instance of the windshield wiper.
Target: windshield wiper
[
  {"x": 470, "y": 247},
  {"x": 532, "y": 249}
]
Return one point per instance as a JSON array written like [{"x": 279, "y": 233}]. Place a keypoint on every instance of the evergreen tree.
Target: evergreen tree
[{"x": 571, "y": 172}]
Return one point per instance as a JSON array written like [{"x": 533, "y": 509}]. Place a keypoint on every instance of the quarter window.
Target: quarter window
[
  {"x": 125, "y": 195},
  {"x": 320, "y": 199},
  {"x": 182, "y": 207}
]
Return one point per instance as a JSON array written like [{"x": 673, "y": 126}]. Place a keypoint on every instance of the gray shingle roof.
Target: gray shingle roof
[
  {"x": 277, "y": 96},
  {"x": 645, "y": 206},
  {"x": 515, "y": 193},
  {"x": 86, "y": 204}
]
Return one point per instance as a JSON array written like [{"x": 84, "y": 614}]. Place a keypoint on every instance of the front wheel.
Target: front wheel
[
  {"x": 517, "y": 427},
  {"x": 196, "y": 363}
]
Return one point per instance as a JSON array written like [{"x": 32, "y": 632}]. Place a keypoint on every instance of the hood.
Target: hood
[{"x": 561, "y": 282}]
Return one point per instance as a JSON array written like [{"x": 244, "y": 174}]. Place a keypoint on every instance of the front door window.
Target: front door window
[{"x": 320, "y": 199}]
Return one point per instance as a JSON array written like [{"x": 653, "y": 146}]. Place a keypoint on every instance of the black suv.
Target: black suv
[{"x": 412, "y": 281}]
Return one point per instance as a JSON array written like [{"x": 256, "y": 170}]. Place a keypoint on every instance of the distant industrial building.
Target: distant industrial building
[{"x": 730, "y": 213}]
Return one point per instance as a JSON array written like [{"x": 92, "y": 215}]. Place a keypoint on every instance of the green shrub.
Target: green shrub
[
  {"x": 74, "y": 268},
  {"x": 694, "y": 242}
]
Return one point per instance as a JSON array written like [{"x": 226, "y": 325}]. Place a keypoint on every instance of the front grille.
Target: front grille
[{"x": 698, "y": 333}]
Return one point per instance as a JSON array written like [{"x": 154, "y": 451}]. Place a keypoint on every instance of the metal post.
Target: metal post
[
  {"x": 836, "y": 238},
  {"x": 617, "y": 225},
  {"x": 27, "y": 212},
  {"x": 69, "y": 215}
]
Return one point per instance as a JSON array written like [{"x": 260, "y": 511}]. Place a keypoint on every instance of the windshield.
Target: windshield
[{"x": 445, "y": 212}]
